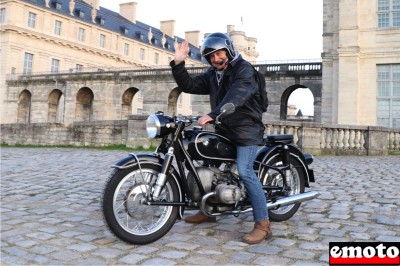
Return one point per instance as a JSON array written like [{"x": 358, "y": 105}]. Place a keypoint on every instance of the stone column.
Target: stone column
[
  {"x": 377, "y": 141},
  {"x": 310, "y": 139}
]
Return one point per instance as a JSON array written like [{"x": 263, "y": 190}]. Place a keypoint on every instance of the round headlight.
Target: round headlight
[
  {"x": 156, "y": 125},
  {"x": 152, "y": 126}
]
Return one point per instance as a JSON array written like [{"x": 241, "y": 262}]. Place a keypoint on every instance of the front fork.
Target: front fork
[{"x": 162, "y": 176}]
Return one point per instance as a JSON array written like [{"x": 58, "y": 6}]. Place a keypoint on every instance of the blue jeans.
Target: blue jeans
[{"x": 245, "y": 159}]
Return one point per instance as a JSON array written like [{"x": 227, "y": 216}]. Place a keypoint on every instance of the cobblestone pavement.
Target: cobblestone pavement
[{"x": 50, "y": 215}]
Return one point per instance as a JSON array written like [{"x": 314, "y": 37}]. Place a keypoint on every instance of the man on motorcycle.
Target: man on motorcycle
[{"x": 230, "y": 79}]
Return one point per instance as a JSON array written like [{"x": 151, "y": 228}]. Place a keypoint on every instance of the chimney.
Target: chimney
[
  {"x": 193, "y": 37},
  {"x": 168, "y": 27},
  {"x": 94, "y": 3},
  {"x": 128, "y": 11}
]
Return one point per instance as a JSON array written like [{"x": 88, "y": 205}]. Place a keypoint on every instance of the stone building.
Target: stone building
[
  {"x": 361, "y": 62},
  {"x": 361, "y": 59},
  {"x": 76, "y": 36}
]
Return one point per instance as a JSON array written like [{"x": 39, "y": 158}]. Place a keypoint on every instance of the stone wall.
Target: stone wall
[
  {"x": 314, "y": 138},
  {"x": 100, "y": 133}
]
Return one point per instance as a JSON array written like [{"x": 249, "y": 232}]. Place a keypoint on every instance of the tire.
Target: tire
[
  {"x": 273, "y": 178},
  {"x": 123, "y": 213}
]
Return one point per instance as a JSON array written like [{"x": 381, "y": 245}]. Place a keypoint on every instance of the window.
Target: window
[
  {"x": 28, "y": 62},
  {"x": 32, "y": 20},
  {"x": 388, "y": 13},
  {"x": 58, "y": 6},
  {"x": 142, "y": 54},
  {"x": 124, "y": 30},
  {"x": 2, "y": 15},
  {"x": 156, "y": 58},
  {"x": 57, "y": 27},
  {"x": 388, "y": 96},
  {"x": 102, "y": 40},
  {"x": 78, "y": 68},
  {"x": 81, "y": 35},
  {"x": 126, "y": 49},
  {"x": 55, "y": 65},
  {"x": 81, "y": 14}
]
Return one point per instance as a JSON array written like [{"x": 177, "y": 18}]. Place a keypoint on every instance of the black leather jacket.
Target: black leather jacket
[{"x": 238, "y": 86}]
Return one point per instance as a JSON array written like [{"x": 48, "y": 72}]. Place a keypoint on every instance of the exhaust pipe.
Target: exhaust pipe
[{"x": 293, "y": 199}]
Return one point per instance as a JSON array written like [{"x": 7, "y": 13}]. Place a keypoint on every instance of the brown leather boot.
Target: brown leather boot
[
  {"x": 200, "y": 218},
  {"x": 262, "y": 230}
]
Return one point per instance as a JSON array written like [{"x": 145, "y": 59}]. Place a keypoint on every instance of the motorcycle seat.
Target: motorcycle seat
[{"x": 279, "y": 138}]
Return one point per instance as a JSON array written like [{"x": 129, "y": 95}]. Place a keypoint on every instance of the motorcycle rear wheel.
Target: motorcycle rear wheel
[
  {"x": 273, "y": 178},
  {"x": 125, "y": 214}
]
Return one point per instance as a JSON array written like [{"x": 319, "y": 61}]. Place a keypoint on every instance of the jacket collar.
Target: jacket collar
[{"x": 236, "y": 59}]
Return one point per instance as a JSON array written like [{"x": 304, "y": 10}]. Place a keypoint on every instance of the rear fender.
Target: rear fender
[
  {"x": 153, "y": 158},
  {"x": 267, "y": 152}
]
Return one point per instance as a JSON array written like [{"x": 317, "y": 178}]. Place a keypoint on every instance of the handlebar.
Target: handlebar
[{"x": 187, "y": 119}]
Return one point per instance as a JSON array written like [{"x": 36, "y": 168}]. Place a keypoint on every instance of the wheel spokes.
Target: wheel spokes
[{"x": 129, "y": 210}]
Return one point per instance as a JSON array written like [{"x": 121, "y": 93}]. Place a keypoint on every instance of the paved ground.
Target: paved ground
[{"x": 50, "y": 215}]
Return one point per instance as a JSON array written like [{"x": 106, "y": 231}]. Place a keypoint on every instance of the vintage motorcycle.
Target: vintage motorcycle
[{"x": 196, "y": 169}]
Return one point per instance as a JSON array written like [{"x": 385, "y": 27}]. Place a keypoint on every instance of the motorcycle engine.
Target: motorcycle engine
[
  {"x": 227, "y": 190},
  {"x": 207, "y": 176},
  {"x": 228, "y": 194}
]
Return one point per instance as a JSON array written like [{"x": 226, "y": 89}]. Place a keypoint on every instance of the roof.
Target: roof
[
  {"x": 299, "y": 113},
  {"x": 113, "y": 21}
]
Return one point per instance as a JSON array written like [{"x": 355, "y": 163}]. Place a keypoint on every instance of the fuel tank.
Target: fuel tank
[{"x": 202, "y": 144}]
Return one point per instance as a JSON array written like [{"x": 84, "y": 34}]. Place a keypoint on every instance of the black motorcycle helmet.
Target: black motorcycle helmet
[{"x": 214, "y": 42}]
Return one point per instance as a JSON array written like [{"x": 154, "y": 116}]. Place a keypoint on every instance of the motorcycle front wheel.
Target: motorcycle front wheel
[
  {"x": 272, "y": 177},
  {"x": 124, "y": 210}
]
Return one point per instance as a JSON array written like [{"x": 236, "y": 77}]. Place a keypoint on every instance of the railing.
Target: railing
[
  {"x": 330, "y": 138},
  {"x": 323, "y": 139},
  {"x": 342, "y": 139},
  {"x": 266, "y": 66}
]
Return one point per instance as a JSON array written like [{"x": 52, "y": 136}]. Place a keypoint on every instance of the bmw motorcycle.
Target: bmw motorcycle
[{"x": 196, "y": 169}]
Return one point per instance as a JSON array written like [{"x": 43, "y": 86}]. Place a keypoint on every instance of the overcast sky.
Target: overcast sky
[{"x": 285, "y": 29}]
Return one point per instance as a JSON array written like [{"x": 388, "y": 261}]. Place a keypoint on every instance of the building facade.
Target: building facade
[
  {"x": 76, "y": 36},
  {"x": 361, "y": 62}
]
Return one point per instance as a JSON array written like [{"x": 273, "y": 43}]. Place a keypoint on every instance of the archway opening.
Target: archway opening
[
  {"x": 179, "y": 103},
  {"x": 84, "y": 102},
  {"x": 24, "y": 107},
  {"x": 131, "y": 103},
  {"x": 56, "y": 107},
  {"x": 301, "y": 105},
  {"x": 297, "y": 103}
]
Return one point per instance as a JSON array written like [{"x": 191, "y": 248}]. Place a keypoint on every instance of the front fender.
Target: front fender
[
  {"x": 133, "y": 159},
  {"x": 266, "y": 152}
]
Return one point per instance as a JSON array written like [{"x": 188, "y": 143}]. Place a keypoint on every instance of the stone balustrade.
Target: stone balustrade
[
  {"x": 339, "y": 139},
  {"x": 317, "y": 139}
]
